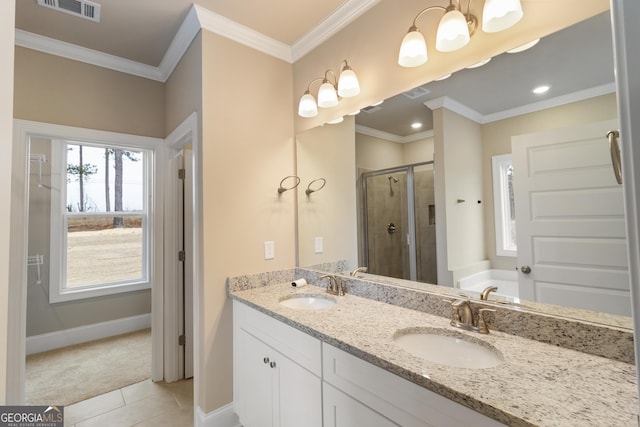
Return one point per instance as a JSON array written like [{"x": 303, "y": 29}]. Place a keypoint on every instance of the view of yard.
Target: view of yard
[{"x": 103, "y": 255}]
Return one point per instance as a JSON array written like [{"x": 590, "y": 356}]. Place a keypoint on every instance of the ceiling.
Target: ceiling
[
  {"x": 142, "y": 30},
  {"x": 572, "y": 60},
  {"x": 576, "y": 62}
]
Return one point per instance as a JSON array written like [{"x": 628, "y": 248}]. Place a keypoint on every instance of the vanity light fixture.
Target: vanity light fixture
[
  {"x": 331, "y": 89},
  {"x": 456, "y": 28}
]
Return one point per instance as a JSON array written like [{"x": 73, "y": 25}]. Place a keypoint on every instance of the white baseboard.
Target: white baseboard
[
  {"x": 221, "y": 417},
  {"x": 67, "y": 337}
]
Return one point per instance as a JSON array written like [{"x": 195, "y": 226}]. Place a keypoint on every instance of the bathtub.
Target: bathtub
[{"x": 505, "y": 280}]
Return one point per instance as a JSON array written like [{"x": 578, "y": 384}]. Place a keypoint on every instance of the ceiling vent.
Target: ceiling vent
[
  {"x": 371, "y": 109},
  {"x": 81, "y": 8},
  {"x": 416, "y": 92}
]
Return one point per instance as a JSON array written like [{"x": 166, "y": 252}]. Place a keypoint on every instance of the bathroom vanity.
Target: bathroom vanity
[{"x": 340, "y": 364}]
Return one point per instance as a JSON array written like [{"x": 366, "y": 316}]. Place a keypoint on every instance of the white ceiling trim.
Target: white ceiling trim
[
  {"x": 455, "y": 106},
  {"x": 197, "y": 18},
  {"x": 365, "y": 130},
  {"x": 89, "y": 56},
  {"x": 225, "y": 27},
  {"x": 551, "y": 102},
  {"x": 340, "y": 18}
]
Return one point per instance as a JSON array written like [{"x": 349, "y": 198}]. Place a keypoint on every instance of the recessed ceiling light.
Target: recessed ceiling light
[
  {"x": 541, "y": 89},
  {"x": 524, "y": 47},
  {"x": 446, "y": 76},
  {"x": 416, "y": 125}
]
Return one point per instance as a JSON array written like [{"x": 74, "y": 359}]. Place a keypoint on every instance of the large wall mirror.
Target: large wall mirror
[{"x": 423, "y": 204}]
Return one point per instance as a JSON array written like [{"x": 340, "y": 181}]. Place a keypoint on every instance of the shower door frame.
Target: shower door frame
[{"x": 411, "y": 212}]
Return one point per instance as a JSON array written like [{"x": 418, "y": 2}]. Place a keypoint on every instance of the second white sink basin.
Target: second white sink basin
[
  {"x": 308, "y": 302},
  {"x": 448, "y": 348}
]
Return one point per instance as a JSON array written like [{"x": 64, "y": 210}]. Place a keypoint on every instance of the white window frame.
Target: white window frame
[
  {"x": 58, "y": 243},
  {"x": 501, "y": 205}
]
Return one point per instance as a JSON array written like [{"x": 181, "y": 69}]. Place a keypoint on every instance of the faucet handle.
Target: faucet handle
[
  {"x": 455, "y": 314},
  {"x": 482, "y": 323}
]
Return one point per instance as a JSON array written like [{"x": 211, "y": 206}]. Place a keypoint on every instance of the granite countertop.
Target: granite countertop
[{"x": 537, "y": 384}]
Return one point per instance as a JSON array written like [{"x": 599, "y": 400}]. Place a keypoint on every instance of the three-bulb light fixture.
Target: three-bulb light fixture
[
  {"x": 456, "y": 28},
  {"x": 345, "y": 86}
]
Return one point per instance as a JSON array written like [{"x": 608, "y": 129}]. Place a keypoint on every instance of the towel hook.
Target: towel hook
[
  {"x": 310, "y": 190},
  {"x": 282, "y": 189}
]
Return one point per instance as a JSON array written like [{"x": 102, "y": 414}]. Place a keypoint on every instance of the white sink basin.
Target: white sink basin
[
  {"x": 448, "y": 348},
  {"x": 308, "y": 302}
]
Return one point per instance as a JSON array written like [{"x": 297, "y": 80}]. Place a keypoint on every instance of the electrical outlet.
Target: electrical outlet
[
  {"x": 269, "y": 250},
  {"x": 319, "y": 245}
]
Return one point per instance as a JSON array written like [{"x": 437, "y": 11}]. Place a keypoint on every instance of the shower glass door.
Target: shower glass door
[{"x": 399, "y": 222}]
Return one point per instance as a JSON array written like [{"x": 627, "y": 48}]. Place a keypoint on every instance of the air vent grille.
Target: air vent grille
[
  {"x": 371, "y": 109},
  {"x": 81, "y": 8},
  {"x": 416, "y": 92}
]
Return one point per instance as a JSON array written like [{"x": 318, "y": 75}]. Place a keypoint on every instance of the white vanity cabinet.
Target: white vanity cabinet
[
  {"x": 355, "y": 388},
  {"x": 277, "y": 372}
]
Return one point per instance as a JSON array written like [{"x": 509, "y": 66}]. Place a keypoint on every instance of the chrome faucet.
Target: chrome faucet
[
  {"x": 358, "y": 270},
  {"x": 336, "y": 285},
  {"x": 462, "y": 316},
  {"x": 484, "y": 296}
]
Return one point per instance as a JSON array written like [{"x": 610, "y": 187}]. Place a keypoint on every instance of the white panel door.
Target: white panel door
[{"x": 570, "y": 220}]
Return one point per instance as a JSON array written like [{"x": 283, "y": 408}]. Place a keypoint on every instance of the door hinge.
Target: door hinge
[
  {"x": 181, "y": 256},
  {"x": 182, "y": 340},
  {"x": 181, "y": 173}
]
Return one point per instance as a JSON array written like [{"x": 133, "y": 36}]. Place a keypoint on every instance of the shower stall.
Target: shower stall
[{"x": 399, "y": 222}]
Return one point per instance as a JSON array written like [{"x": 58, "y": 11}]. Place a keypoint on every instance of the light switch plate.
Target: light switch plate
[
  {"x": 269, "y": 250},
  {"x": 319, "y": 245}
]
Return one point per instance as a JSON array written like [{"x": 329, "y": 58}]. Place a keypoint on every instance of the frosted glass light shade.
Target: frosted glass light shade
[
  {"x": 413, "y": 50},
  {"x": 348, "y": 84},
  {"x": 453, "y": 32},
  {"x": 307, "y": 106},
  {"x": 327, "y": 96},
  {"x": 499, "y": 15}
]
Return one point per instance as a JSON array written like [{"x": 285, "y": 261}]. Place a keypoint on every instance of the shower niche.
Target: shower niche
[{"x": 399, "y": 222}]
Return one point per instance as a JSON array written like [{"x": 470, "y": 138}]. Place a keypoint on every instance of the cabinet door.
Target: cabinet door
[
  {"x": 299, "y": 402},
  {"x": 254, "y": 381},
  {"x": 341, "y": 410}
]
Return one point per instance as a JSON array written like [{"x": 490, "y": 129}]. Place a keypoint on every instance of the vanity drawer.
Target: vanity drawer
[
  {"x": 303, "y": 349},
  {"x": 402, "y": 401}
]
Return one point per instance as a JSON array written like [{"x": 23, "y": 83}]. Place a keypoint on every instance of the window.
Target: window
[
  {"x": 100, "y": 220},
  {"x": 504, "y": 205}
]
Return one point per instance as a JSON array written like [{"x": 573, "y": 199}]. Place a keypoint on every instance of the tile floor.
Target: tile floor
[{"x": 141, "y": 405}]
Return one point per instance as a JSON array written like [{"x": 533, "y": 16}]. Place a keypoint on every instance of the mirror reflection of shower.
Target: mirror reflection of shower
[{"x": 404, "y": 197}]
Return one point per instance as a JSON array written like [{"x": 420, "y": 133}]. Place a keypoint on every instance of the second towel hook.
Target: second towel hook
[{"x": 310, "y": 190}]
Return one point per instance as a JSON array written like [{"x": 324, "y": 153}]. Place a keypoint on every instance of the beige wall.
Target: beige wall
[
  {"x": 53, "y": 89},
  {"x": 327, "y": 152},
  {"x": 496, "y": 139},
  {"x": 183, "y": 90},
  {"x": 458, "y": 166},
  {"x": 7, "y": 31},
  {"x": 371, "y": 43},
  {"x": 247, "y": 148}
]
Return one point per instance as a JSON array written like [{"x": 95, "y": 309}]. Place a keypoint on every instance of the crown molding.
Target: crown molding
[
  {"x": 180, "y": 43},
  {"x": 455, "y": 106},
  {"x": 77, "y": 53},
  {"x": 348, "y": 12},
  {"x": 225, "y": 27},
  {"x": 551, "y": 102},
  {"x": 365, "y": 130}
]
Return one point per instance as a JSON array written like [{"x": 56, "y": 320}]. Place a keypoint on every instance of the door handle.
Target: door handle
[
  {"x": 614, "y": 148},
  {"x": 525, "y": 269}
]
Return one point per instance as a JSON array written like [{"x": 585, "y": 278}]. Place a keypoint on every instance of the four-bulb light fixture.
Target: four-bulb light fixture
[
  {"x": 345, "y": 86},
  {"x": 456, "y": 28}
]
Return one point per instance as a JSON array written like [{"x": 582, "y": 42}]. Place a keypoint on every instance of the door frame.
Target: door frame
[
  {"x": 184, "y": 135},
  {"x": 17, "y": 322}
]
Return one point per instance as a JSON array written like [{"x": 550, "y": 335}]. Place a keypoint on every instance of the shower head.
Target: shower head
[{"x": 391, "y": 177}]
